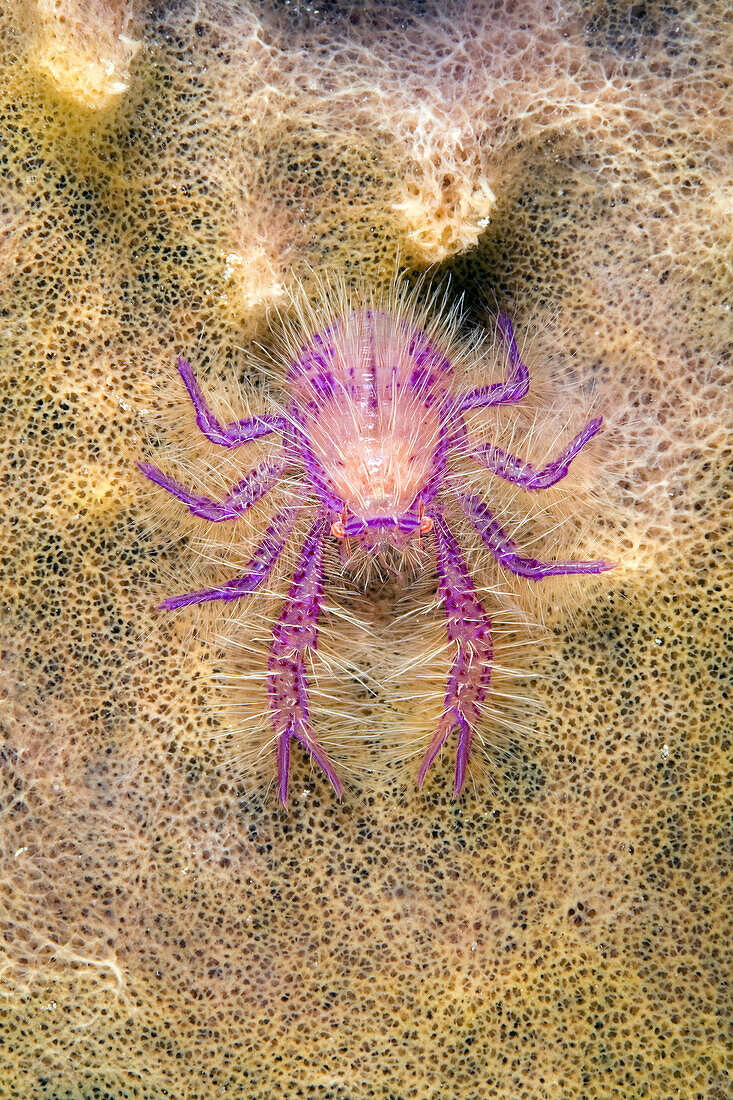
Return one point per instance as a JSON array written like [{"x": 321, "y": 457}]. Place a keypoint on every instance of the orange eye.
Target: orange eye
[
  {"x": 426, "y": 524},
  {"x": 337, "y": 529}
]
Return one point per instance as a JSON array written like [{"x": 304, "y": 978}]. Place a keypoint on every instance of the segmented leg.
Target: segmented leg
[
  {"x": 239, "y": 498},
  {"x": 469, "y": 626},
  {"x": 226, "y": 435},
  {"x": 501, "y": 393},
  {"x": 296, "y": 631},
  {"x": 522, "y": 473},
  {"x": 504, "y": 549},
  {"x": 258, "y": 570}
]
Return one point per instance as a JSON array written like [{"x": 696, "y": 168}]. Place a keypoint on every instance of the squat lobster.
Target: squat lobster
[{"x": 369, "y": 431}]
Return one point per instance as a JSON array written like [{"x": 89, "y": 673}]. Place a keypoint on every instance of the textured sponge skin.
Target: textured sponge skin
[{"x": 566, "y": 935}]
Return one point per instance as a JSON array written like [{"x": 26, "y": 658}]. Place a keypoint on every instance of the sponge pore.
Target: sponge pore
[{"x": 567, "y": 934}]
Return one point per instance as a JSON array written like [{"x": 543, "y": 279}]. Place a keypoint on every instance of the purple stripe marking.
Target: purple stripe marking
[
  {"x": 515, "y": 469},
  {"x": 225, "y": 435},
  {"x": 504, "y": 549},
  {"x": 249, "y": 490},
  {"x": 501, "y": 393},
  {"x": 259, "y": 568}
]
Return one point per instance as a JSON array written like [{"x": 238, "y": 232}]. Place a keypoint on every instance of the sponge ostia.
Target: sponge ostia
[{"x": 170, "y": 171}]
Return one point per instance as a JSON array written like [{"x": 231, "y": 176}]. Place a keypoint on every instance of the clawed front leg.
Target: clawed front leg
[
  {"x": 522, "y": 473},
  {"x": 295, "y": 633},
  {"x": 504, "y": 549},
  {"x": 225, "y": 435},
  {"x": 469, "y": 626},
  {"x": 239, "y": 498},
  {"x": 501, "y": 393}
]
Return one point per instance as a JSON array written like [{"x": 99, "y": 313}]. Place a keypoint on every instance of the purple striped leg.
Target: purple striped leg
[
  {"x": 504, "y": 549},
  {"x": 522, "y": 473},
  {"x": 225, "y": 435},
  {"x": 260, "y": 566},
  {"x": 501, "y": 393},
  {"x": 239, "y": 498},
  {"x": 469, "y": 626},
  {"x": 296, "y": 631}
]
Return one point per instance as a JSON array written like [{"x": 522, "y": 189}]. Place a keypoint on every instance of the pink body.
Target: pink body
[
  {"x": 370, "y": 426},
  {"x": 371, "y": 397}
]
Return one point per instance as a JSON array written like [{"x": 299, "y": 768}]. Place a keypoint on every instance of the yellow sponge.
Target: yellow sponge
[{"x": 564, "y": 933}]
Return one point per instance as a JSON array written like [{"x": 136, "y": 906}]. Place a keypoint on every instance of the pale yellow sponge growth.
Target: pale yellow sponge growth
[
  {"x": 563, "y": 935},
  {"x": 85, "y": 48}
]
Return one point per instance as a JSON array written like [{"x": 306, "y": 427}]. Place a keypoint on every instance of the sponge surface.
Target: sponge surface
[{"x": 168, "y": 170}]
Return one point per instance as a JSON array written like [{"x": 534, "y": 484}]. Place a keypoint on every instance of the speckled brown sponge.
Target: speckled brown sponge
[{"x": 170, "y": 172}]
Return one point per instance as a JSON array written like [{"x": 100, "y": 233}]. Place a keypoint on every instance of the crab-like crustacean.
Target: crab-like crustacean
[{"x": 370, "y": 432}]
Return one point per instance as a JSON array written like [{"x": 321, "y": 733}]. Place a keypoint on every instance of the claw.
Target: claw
[
  {"x": 468, "y": 681},
  {"x": 295, "y": 632},
  {"x": 303, "y": 733},
  {"x": 467, "y": 688}
]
